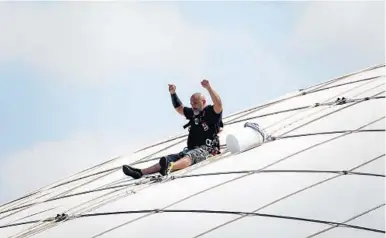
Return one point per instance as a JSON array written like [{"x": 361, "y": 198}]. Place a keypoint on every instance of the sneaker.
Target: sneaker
[
  {"x": 132, "y": 172},
  {"x": 166, "y": 166}
]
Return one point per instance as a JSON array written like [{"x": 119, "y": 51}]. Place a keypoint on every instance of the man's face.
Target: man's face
[{"x": 197, "y": 103}]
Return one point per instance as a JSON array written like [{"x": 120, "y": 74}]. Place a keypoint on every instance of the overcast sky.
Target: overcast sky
[{"x": 83, "y": 82}]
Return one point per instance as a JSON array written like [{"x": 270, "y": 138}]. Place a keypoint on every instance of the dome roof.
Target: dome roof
[{"x": 320, "y": 174}]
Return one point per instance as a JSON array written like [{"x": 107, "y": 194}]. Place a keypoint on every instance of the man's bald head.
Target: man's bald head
[{"x": 198, "y": 102}]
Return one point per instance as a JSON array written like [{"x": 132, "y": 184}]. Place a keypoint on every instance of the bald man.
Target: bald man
[{"x": 205, "y": 122}]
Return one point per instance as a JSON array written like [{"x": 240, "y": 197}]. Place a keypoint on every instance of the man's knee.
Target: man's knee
[{"x": 186, "y": 160}]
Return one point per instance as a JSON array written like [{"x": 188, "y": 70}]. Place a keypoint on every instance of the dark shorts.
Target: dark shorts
[{"x": 196, "y": 155}]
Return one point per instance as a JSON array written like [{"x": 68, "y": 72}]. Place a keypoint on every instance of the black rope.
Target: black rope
[
  {"x": 343, "y": 172},
  {"x": 343, "y": 84},
  {"x": 224, "y": 212},
  {"x": 330, "y": 133},
  {"x": 301, "y": 108},
  {"x": 232, "y": 213},
  {"x": 323, "y": 84}
]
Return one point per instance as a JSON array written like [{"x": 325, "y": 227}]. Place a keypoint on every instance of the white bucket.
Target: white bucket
[{"x": 244, "y": 139}]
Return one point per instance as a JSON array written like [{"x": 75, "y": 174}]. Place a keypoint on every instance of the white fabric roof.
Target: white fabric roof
[{"x": 293, "y": 185}]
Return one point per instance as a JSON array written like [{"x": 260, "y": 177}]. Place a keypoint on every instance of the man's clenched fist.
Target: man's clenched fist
[
  {"x": 205, "y": 83},
  {"x": 172, "y": 88}
]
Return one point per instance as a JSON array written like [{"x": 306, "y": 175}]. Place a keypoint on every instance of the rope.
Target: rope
[{"x": 224, "y": 212}]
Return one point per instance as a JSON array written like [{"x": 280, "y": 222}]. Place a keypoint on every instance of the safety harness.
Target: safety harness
[{"x": 214, "y": 148}]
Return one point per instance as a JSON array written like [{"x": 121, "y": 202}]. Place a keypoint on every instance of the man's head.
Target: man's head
[{"x": 198, "y": 102}]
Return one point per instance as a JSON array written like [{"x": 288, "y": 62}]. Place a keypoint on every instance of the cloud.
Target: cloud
[
  {"x": 47, "y": 162},
  {"x": 332, "y": 30},
  {"x": 91, "y": 43}
]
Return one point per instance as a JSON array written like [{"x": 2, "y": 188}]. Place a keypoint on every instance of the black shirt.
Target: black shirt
[{"x": 203, "y": 127}]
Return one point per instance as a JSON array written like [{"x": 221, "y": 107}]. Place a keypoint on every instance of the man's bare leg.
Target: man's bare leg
[
  {"x": 182, "y": 163},
  {"x": 152, "y": 169}
]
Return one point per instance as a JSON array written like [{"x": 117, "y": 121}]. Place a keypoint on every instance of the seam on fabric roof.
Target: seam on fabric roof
[
  {"x": 351, "y": 219},
  {"x": 237, "y": 178},
  {"x": 287, "y": 196}
]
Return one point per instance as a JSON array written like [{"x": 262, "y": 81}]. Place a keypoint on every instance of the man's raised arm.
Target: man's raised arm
[
  {"x": 177, "y": 104},
  {"x": 217, "y": 104}
]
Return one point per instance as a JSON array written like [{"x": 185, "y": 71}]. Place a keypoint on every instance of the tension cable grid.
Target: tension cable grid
[
  {"x": 237, "y": 178},
  {"x": 146, "y": 158},
  {"x": 290, "y": 195},
  {"x": 317, "y": 89},
  {"x": 219, "y": 173},
  {"x": 342, "y": 172},
  {"x": 65, "y": 217},
  {"x": 249, "y": 118}
]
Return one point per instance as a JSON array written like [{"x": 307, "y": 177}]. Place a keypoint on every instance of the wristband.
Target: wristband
[{"x": 175, "y": 100}]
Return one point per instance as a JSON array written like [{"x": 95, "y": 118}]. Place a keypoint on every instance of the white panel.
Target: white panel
[{"x": 336, "y": 200}]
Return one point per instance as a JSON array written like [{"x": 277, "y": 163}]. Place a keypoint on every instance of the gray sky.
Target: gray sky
[{"x": 83, "y": 82}]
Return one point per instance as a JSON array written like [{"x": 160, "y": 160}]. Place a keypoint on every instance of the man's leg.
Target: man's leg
[
  {"x": 152, "y": 169},
  {"x": 138, "y": 173},
  {"x": 190, "y": 157}
]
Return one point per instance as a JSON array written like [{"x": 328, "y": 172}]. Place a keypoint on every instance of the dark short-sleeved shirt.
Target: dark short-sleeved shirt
[{"x": 203, "y": 127}]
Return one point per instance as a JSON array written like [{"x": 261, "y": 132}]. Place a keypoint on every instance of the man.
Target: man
[{"x": 205, "y": 123}]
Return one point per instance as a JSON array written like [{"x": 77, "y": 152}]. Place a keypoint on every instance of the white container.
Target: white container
[{"x": 244, "y": 139}]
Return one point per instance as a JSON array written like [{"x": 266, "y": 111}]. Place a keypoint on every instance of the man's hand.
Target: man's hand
[
  {"x": 205, "y": 83},
  {"x": 172, "y": 88}
]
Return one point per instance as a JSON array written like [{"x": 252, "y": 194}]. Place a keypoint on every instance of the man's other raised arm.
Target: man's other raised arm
[{"x": 217, "y": 103}]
